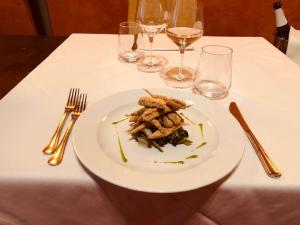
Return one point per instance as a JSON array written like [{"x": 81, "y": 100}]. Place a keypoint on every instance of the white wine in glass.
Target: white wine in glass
[
  {"x": 152, "y": 17},
  {"x": 185, "y": 26}
]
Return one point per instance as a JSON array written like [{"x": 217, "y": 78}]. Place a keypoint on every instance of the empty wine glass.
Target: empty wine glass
[
  {"x": 151, "y": 16},
  {"x": 185, "y": 26}
]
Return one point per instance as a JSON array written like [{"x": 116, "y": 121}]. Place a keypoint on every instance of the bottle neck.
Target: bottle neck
[{"x": 280, "y": 18}]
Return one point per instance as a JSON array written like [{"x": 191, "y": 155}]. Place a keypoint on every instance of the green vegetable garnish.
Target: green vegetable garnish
[
  {"x": 192, "y": 157},
  {"x": 178, "y": 137},
  {"x": 148, "y": 92},
  {"x": 121, "y": 151},
  {"x": 119, "y": 121},
  {"x": 201, "y": 145},
  {"x": 185, "y": 117},
  {"x": 186, "y": 142},
  {"x": 157, "y": 146},
  {"x": 201, "y": 129}
]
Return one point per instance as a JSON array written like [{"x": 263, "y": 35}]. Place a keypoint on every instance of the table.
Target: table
[
  {"x": 265, "y": 86},
  {"x": 19, "y": 55}
]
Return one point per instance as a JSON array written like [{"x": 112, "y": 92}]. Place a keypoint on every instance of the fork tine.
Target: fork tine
[
  {"x": 78, "y": 104},
  {"x": 84, "y": 107},
  {"x": 70, "y": 96},
  {"x": 81, "y": 104},
  {"x": 75, "y": 98},
  {"x": 73, "y": 95}
]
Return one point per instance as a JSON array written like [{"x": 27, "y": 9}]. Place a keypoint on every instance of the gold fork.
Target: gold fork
[
  {"x": 70, "y": 106},
  {"x": 57, "y": 157}
]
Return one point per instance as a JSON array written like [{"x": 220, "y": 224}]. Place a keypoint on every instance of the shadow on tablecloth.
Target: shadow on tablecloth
[{"x": 142, "y": 208}]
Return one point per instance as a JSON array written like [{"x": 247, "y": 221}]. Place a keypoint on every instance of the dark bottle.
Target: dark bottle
[{"x": 282, "y": 28}]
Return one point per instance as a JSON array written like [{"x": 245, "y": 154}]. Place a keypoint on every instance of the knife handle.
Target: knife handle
[{"x": 267, "y": 163}]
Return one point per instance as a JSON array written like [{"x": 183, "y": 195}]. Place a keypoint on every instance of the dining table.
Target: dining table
[{"x": 265, "y": 86}]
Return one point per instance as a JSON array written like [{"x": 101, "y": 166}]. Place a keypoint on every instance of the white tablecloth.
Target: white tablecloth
[{"x": 265, "y": 86}]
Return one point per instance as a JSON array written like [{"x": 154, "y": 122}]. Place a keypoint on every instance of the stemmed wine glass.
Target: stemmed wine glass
[
  {"x": 152, "y": 17},
  {"x": 185, "y": 26}
]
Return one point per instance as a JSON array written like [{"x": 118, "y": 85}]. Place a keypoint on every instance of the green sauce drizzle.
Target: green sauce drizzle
[
  {"x": 119, "y": 121},
  {"x": 201, "y": 129},
  {"x": 121, "y": 151},
  {"x": 185, "y": 117},
  {"x": 172, "y": 162},
  {"x": 201, "y": 145},
  {"x": 192, "y": 157}
]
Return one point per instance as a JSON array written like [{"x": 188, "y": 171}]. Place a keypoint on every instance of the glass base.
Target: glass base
[
  {"x": 173, "y": 79},
  {"x": 131, "y": 56},
  {"x": 211, "y": 89},
  {"x": 157, "y": 64}
]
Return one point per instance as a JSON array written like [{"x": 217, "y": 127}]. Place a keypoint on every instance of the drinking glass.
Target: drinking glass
[
  {"x": 129, "y": 39},
  {"x": 213, "y": 75},
  {"x": 184, "y": 27},
  {"x": 151, "y": 16}
]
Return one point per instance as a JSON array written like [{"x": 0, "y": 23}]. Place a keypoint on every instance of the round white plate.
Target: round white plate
[{"x": 97, "y": 141}]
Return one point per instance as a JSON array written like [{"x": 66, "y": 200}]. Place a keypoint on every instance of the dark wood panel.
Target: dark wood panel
[
  {"x": 292, "y": 11},
  {"x": 21, "y": 54},
  {"x": 16, "y": 18},
  {"x": 239, "y": 18},
  {"x": 246, "y": 18},
  {"x": 86, "y": 16}
]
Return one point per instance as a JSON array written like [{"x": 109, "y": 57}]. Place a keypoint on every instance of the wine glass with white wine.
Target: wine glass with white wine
[
  {"x": 152, "y": 17},
  {"x": 184, "y": 27}
]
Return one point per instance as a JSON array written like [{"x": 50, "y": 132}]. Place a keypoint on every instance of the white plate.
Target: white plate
[{"x": 95, "y": 140}]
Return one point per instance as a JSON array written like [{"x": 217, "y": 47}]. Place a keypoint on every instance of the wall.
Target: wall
[
  {"x": 63, "y": 17},
  {"x": 15, "y": 18}
]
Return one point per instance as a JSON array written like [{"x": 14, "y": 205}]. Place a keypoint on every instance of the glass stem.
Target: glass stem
[
  {"x": 151, "y": 42},
  {"x": 180, "y": 75}
]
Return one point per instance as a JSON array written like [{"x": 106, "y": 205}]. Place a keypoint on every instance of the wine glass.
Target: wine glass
[
  {"x": 185, "y": 26},
  {"x": 151, "y": 16}
]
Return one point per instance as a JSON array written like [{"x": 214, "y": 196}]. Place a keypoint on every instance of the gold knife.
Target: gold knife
[{"x": 267, "y": 163}]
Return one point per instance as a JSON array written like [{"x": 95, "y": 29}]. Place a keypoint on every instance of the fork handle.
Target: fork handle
[
  {"x": 51, "y": 147},
  {"x": 57, "y": 157}
]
